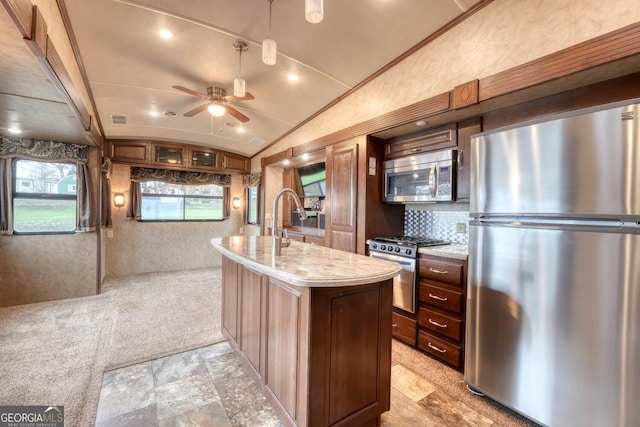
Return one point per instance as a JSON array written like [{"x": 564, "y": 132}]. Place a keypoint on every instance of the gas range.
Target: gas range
[{"x": 406, "y": 246}]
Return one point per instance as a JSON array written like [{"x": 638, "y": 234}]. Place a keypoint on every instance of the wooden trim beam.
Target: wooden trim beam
[
  {"x": 619, "y": 44},
  {"x": 22, "y": 13}
]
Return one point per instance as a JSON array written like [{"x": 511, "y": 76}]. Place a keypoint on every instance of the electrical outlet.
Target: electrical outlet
[
  {"x": 241, "y": 230},
  {"x": 109, "y": 234},
  {"x": 461, "y": 227}
]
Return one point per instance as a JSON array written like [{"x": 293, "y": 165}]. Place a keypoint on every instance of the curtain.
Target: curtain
[
  {"x": 6, "y": 214},
  {"x": 85, "y": 218},
  {"x": 105, "y": 203},
  {"x": 135, "y": 207},
  {"x": 251, "y": 180}
]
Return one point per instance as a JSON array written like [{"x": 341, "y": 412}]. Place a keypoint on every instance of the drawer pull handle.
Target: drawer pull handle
[
  {"x": 438, "y": 297},
  {"x": 433, "y": 270},
  {"x": 436, "y": 348},
  {"x": 394, "y": 325},
  {"x": 416, "y": 150},
  {"x": 439, "y": 325}
]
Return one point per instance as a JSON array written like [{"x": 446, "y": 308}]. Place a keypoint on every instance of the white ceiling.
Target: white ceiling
[{"x": 131, "y": 70}]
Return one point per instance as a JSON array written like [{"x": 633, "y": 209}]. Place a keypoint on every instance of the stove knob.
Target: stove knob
[
  {"x": 407, "y": 251},
  {"x": 398, "y": 249},
  {"x": 383, "y": 247},
  {"x": 373, "y": 246},
  {"x": 390, "y": 248}
]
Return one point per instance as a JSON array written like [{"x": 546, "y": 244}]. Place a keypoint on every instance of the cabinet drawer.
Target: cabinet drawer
[
  {"x": 442, "y": 271},
  {"x": 421, "y": 141},
  {"x": 442, "y": 298},
  {"x": 404, "y": 328},
  {"x": 439, "y": 348},
  {"x": 441, "y": 324}
]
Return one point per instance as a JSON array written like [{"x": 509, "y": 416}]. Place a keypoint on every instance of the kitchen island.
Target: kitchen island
[{"x": 312, "y": 326}]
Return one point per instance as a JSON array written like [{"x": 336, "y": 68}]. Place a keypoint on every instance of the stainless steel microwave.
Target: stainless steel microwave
[{"x": 427, "y": 177}]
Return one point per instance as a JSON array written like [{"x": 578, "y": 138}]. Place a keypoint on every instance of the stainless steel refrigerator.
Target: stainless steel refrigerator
[{"x": 553, "y": 307}]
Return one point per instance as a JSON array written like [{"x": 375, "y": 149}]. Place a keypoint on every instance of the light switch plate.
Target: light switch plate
[{"x": 461, "y": 227}]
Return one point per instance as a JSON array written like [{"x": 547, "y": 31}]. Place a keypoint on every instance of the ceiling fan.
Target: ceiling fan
[{"x": 218, "y": 102}]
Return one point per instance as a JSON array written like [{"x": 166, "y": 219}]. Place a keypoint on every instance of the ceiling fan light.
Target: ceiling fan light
[
  {"x": 238, "y": 87},
  {"x": 216, "y": 110},
  {"x": 313, "y": 11},
  {"x": 269, "y": 51}
]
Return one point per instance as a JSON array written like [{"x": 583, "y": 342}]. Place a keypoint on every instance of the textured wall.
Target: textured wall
[
  {"x": 504, "y": 34},
  {"x": 36, "y": 268},
  {"x": 138, "y": 247}
]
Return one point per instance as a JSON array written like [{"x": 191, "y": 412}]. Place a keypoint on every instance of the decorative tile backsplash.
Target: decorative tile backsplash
[{"x": 438, "y": 223}]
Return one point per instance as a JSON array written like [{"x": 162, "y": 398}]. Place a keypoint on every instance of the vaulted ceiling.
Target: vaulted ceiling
[{"x": 131, "y": 70}]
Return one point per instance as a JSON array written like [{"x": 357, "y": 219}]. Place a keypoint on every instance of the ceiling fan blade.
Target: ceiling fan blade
[
  {"x": 247, "y": 97},
  {"x": 191, "y": 92},
  {"x": 237, "y": 114},
  {"x": 196, "y": 110}
]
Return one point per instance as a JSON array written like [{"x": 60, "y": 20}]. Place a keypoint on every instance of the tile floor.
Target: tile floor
[{"x": 210, "y": 387}]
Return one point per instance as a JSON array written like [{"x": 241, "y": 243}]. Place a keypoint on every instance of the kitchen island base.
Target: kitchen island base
[{"x": 321, "y": 355}]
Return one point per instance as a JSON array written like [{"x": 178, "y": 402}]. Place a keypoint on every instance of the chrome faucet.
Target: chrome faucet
[{"x": 277, "y": 243}]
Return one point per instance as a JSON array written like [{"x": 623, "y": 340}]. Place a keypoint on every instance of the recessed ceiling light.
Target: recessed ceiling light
[
  {"x": 240, "y": 130},
  {"x": 286, "y": 161},
  {"x": 15, "y": 130},
  {"x": 165, "y": 34},
  {"x": 154, "y": 113},
  {"x": 305, "y": 156},
  {"x": 292, "y": 77}
]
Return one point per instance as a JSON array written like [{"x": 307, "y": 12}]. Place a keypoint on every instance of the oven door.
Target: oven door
[{"x": 404, "y": 284}]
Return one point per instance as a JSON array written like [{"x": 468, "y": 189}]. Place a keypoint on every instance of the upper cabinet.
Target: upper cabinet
[
  {"x": 419, "y": 142},
  {"x": 176, "y": 156}
]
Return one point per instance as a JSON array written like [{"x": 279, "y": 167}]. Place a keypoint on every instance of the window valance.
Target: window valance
[
  {"x": 251, "y": 180},
  {"x": 12, "y": 146},
  {"x": 139, "y": 174}
]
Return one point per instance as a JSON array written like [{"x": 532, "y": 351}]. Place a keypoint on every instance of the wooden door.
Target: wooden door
[{"x": 342, "y": 185}]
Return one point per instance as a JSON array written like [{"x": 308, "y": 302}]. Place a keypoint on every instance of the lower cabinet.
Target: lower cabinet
[
  {"x": 404, "y": 328},
  {"x": 322, "y": 356},
  {"x": 441, "y": 309}
]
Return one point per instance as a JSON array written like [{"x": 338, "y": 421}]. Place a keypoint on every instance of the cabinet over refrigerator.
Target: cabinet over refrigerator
[{"x": 553, "y": 310}]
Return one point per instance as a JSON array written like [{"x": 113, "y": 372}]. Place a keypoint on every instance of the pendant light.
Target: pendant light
[
  {"x": 313, "y": 11},
  {"x": 238, "y": 82},
  {"x": 269, "y": 46}
]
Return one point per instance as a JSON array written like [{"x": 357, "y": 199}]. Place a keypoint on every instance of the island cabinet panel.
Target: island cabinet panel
[
  {"x": 230, "y": 290},
  {"x": 252, "y": 291},
  {"x": 351, "y": 354},
  {"x": 321, "y": 355},
  {"x": 283, "y": 331}
]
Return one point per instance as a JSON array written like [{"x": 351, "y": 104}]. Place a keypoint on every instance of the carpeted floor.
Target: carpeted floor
[{"x": 54, "y": 353}]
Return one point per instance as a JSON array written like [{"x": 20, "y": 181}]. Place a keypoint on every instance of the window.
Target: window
[
  {"x": 44, "y": 197},
  {"x": 252, "y": 205},
  {"x": 174, "y": 202}
]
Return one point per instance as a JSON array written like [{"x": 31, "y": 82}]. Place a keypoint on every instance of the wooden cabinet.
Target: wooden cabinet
[
  {"x": 441, "y": 311},
  {"x": 465, "y": 130},
  {"x": 313, "y": 374},
  {"x": 230, "y": 298},
  {"x": 127, "y": 151},
  {"x": 203, "y": 158},
  {"x": 354, "y": 208},
  {"x": 308, "y": 235},
  {"x": 252, "y": 290},
  {"x": 168, "y": 155},
  {"x": 235, "y": 162},
  {"x": 404, "y": 328},
  {"x": 420, "y": 142},
  {"x": 342, "y": 187}
]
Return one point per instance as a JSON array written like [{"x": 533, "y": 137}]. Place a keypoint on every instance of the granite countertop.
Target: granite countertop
[
  {"x": 453, "y": 250},
  {"x": 304, "y": 264}
]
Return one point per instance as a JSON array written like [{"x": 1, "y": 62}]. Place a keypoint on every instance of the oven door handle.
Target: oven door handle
[{"x": 395, "y": 258}]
